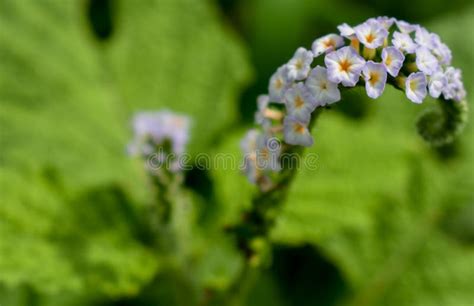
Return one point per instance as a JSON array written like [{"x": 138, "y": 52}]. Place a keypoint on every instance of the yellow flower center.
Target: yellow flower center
[
  {"x": 369, "y": 38},
  {"x": 299, "y": 128},
  {"x": 355, "y": 44},
  {"x": 299, "y": 102},
  {"x": 324, "y": 86},
  {"x": 374, "y": 77},
  {"x": 278, "y": 83},
  {"x": 329, "y": 43},
  {"x": 178, "y": 122},
  {"x": 388, "y": 60},
  {"x": 299, "y": 64},
  {"x": 413, "y": 85},
  {"x": 345, "y": 65}
]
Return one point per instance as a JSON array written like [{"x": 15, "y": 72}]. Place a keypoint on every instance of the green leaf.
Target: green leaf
[
  {"x": 176, "y": 54},
  {"x": 70, "y": 219}
]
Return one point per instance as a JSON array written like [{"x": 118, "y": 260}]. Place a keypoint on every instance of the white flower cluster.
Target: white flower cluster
[
  {"x": 161, "y": 132},
  {"x": 261, "y": 156},
  {"x": 381, "y": 50}
]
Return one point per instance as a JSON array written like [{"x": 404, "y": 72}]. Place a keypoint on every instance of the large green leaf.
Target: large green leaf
[
  {"x": 68, "y": 214},
  {"x": 176, "y": 54}
]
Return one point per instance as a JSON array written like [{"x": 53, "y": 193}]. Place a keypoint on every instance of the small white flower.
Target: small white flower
[
  {"x": 248, "y": 144},
  {"x": 403, "y": 42},
  {"x": 349, "y": 33},
  {"x": 424, "y": 38},
  {"x": 296, "y": 132},
  {"x": 327, "y": 43},
  {"x": 415, "y": 87},
  {"x": 262, "y": 102},
  {"x": 268, "y": 153},
  {"x": 262, "y": 105},
  {"x": 426, "y": 61},
  {"x": 371, "y": 33},
  {"x": 324, "y": 91},
  {"x": 344, "y": 66},
  {"x": 164, "y": 134},
  {"x": 385, "y": 21},
  {"x": 375, "y": 76},
  {"x": 154, "y": 128},
  {"x": 177, "y": 130},
  {"x": 346, "y": 30},
  {"x": 299, "y": 101},
  {"x": 249, "y": 148},
  {"x": 299, "y": 66},
  {"x": 437, "y": 82},
  {"x": 260, "y": 155},
  {"x": 441, "y": 51},
  {"x": 278, "y": 84},
  {"x": 455, "y": 87},
  {"x": 393, "y": 60},
  {"x": 406, "y": 27}
]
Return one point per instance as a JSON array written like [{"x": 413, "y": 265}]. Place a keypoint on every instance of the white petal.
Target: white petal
[
  {"x": 278, "y": 84},
  {"x": 299, "y": 101},
  {"x": 393, "y": 60},
  {"x": 375, "y": 76},
  {"x": 327, "y": 43},
  {"x": 297, "y": 136},
  {"x": 415, "y": 87},
  {"x": 324, "y": 91},
  {"x": 426, "y": 61}
]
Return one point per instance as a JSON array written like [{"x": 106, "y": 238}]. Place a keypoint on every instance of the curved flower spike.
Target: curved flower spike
[{"x": 378, "y": 52}]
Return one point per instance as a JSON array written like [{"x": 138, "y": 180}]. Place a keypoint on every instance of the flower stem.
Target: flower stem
[{"x": 252, "y": 232}]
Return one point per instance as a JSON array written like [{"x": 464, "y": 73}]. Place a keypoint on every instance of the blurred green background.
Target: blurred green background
[{"x": 385, "y": 220}]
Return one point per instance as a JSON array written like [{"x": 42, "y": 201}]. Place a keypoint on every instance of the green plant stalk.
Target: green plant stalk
[
  {"x": 260, "y": 218},
  {"x": 253, "y": 230},
  {"x": 166, "y": 186}
]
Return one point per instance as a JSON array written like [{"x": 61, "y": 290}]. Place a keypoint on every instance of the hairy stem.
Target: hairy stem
[{"x": 253, "y": 229}]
